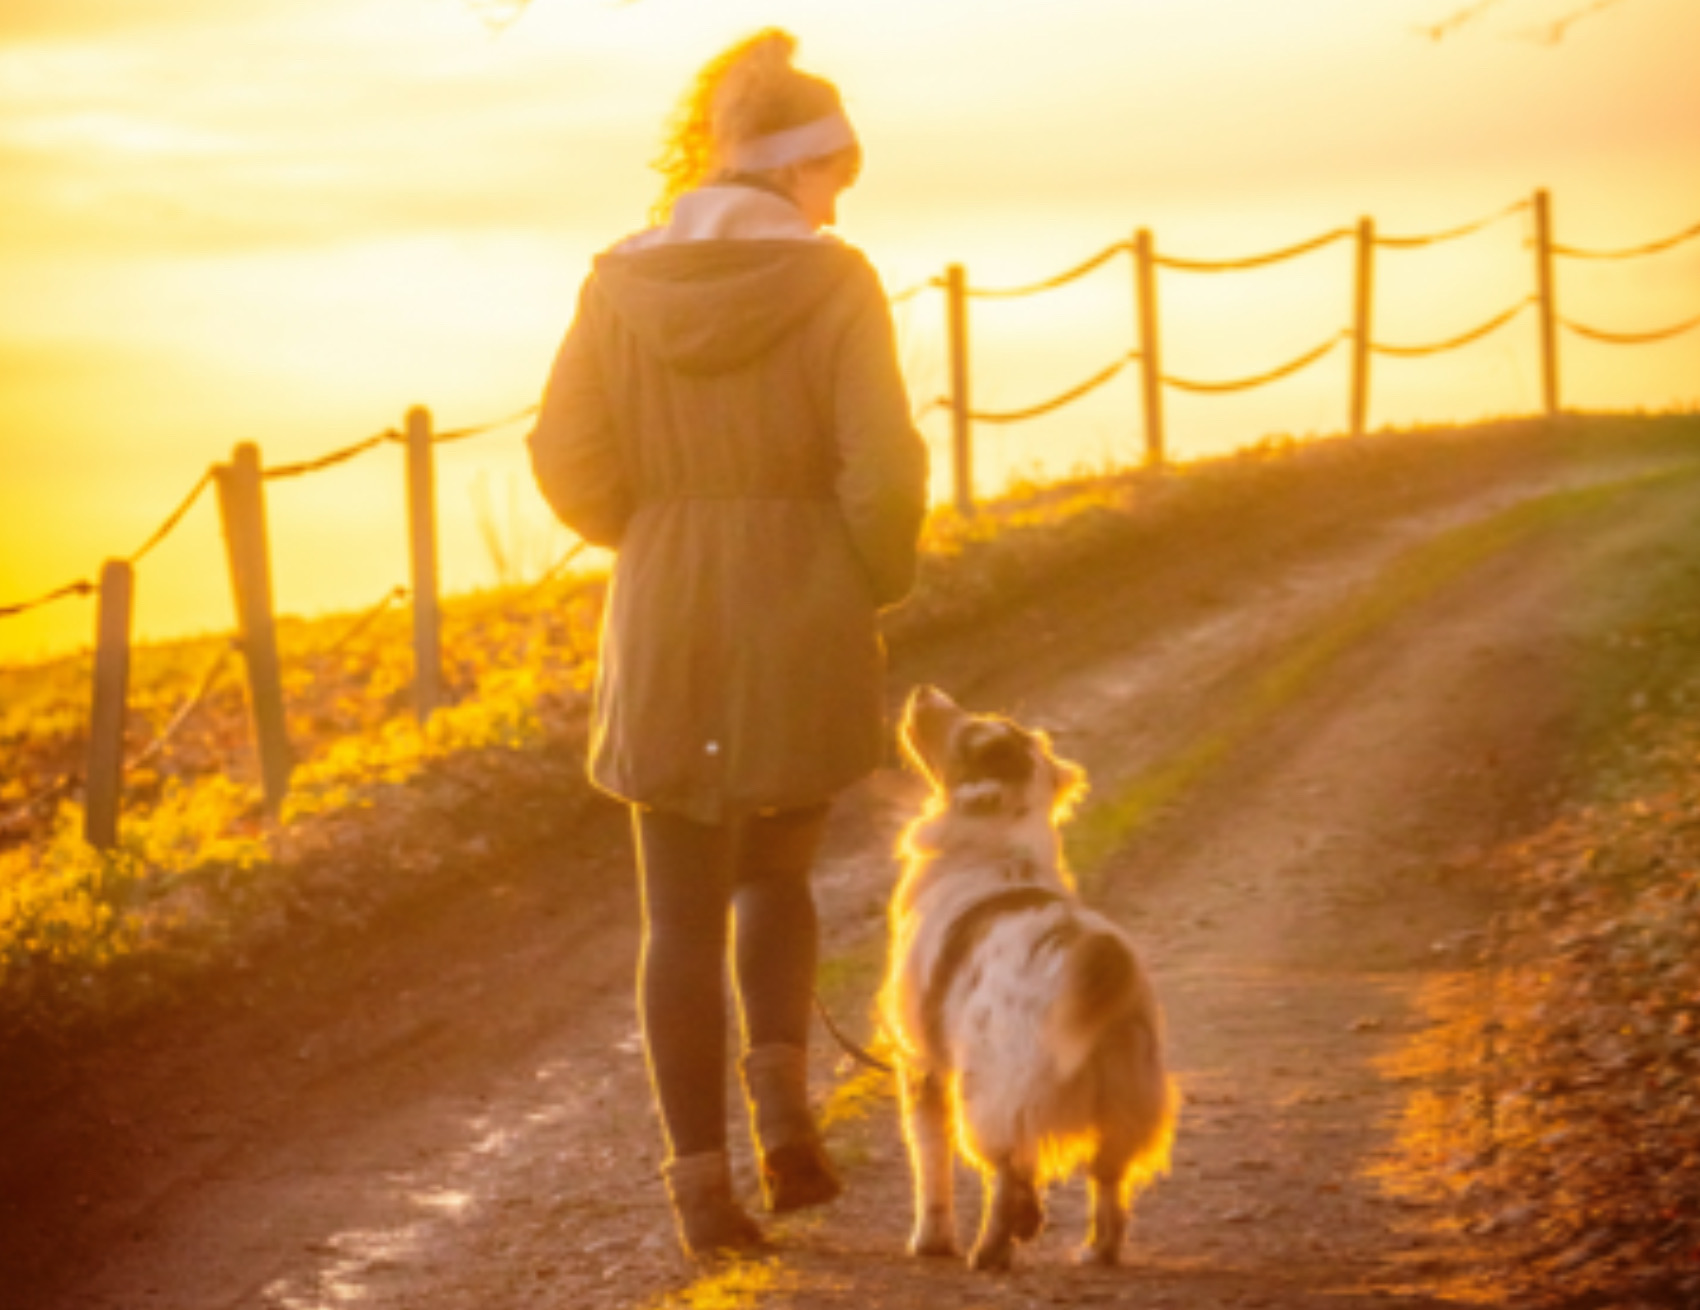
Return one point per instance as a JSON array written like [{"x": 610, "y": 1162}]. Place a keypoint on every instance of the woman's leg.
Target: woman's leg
[
  {"x": 777, "y": 934},
  {"x": 685, "y": 872},
  {"x": 774, "y": 957}
]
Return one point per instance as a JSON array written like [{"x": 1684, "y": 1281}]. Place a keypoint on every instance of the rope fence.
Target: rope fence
[
  {"x": 176, "y": 516},
  {"x": 909, "y": 293},
  {"x": 1252, "y": 261},
  {"x": 1052, "y": 283},
  {"x": 1257, "y": 380},
  {"x": 280, "y": 471},
  {"x": 1358, "y": 336},
  {"x": 185, "y": 712},
  {"x": 1631, "y": 338},
  {"x": 82, "y": 587},
  {"x": 1452, "y": 343},
  {"x": 366, "y": 620},
  {"x": 555, "y": 570},
  {"x": 479, "y": 429},
  {"x": 271, "y": 473},
  {"x": 18, "y": 817},
  {"x": 1633, "y": 252},
  {"x": 926, "y": 408},
  {"x": 20, "y": 814},
  {"x": 1451, "y": 233},
  {"x": 240, "y": 483},
  {"x": 1057, "y": 402}
]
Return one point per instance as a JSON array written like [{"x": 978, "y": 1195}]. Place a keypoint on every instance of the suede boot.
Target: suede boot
[
  {"x": 710, "y": 1221},
  {"x": 795, "y": 1169}
]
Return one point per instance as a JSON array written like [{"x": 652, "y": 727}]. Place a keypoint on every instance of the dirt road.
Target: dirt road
[{"x": 1294, "y": 744}]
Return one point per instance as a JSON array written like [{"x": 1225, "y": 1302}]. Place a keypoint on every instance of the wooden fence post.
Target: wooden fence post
[
  {"x": 1545, "y": 302},
  {"x": 956, "y": 330},
  {"x": 1361, "y": 326},
  {"x": 242, "y": 507},
  {"x": 105, "y": 783},
  {"x": 1150, "y": 355},
  {"x": 422, "y": 532}
]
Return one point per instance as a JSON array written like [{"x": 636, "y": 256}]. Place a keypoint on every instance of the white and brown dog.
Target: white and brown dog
[{"x": 1026, "y": 1029}]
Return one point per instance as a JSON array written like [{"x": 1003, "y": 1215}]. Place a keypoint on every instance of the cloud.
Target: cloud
[
  {"x": 24, "y": 22},
  {"x": 143, "y": 148}
]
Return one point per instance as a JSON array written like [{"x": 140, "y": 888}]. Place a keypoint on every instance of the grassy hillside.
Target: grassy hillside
[
  {"x": 380, "y": 809},
  {"x": 1561, "y": 1118}
]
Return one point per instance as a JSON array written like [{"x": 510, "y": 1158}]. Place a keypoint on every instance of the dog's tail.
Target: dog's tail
[{"x": 1101, "y": 983}]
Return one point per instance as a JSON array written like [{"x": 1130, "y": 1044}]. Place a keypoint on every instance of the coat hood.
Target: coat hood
[{"x": 725, "y": 281}]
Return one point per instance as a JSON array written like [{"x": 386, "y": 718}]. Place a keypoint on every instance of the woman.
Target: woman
[{"x": 727, "y": 413}]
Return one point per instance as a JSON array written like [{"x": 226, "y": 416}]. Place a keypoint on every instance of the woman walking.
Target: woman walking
[{"x": 728, "y": 415}]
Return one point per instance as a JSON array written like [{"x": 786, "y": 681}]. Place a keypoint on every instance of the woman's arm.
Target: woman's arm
[
  {"x": 882, "y": 480},
  {"x": 574, "y": 452}
]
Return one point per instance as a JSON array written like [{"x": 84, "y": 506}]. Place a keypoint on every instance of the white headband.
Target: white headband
[{"x": 815, "y": 140}]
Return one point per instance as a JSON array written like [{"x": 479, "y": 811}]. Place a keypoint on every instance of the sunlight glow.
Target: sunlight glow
[{"x": 287, "y": 222}]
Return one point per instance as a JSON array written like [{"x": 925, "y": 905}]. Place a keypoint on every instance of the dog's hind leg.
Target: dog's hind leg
[
  {"x": 932, "y": 1151},
  {"x": 1103, "y": 1244},
  {"x": 1012, "y": 1214}
]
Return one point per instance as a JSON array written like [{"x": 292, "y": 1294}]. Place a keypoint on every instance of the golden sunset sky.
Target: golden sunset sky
[{"x": 286, "y": 221}]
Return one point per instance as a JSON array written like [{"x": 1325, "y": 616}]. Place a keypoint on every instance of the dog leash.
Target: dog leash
[{"x": 858, "y": 1053}]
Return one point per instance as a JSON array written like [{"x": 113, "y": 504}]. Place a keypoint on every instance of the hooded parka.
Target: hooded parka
[{"x": 728, "y": 415}]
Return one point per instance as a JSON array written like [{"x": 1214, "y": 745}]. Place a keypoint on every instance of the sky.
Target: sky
[{"x": 288, "y": 221}]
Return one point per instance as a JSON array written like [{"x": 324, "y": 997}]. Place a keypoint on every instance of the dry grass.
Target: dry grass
[
  {"x": 1561, "y": 1110},
  {"x": 380, "y": 809}
]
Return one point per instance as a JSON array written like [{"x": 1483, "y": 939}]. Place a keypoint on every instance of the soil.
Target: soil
[{"x": 1291, "y": 775}]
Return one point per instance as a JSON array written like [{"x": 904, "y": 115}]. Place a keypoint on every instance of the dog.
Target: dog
[{"x": 1025, "y": 1030}]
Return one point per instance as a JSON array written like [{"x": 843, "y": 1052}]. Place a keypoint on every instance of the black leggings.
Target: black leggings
[{"x": 698, "y": 880}]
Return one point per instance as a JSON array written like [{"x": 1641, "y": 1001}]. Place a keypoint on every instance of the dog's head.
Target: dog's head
[{"x": 983, "y": 765}]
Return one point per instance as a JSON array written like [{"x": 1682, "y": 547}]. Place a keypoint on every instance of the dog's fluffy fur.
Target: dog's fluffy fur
[{"x": 1026, "y": 1030}]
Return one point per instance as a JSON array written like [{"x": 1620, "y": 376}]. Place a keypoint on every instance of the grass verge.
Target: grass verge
[
  {"x": 383, "y": 810},
  {"x": 1558, "y": 1118}
]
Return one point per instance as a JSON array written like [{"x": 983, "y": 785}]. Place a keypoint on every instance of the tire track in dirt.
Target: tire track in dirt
[{"x": 485, "y": 1138}]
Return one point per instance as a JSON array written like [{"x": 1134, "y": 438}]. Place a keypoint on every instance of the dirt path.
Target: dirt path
[{"x": 1285, "y": 769}]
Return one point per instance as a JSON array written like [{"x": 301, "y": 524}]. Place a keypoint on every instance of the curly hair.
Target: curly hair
[{"x": 744, "y": 92}]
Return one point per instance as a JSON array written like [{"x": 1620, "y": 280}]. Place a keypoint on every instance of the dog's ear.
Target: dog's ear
[
  {"x": 929, "y": 717},
  {"x": 1068, "y": 781}
]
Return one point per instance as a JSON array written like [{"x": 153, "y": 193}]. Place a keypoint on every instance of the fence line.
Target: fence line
[
  {"x": 19, "y": 813},
  {"x": 1257, "y": 380},
  {"x": 926, "y": 407},
  {"x": 1651, "y": 248},
  {"x": 1051, "y": 283},
  {"x": 909, "y": 293},
  {"x": 186, "y": 711},
  {"x": 176, "y": 516},
  {"x": 1452, "y": 343},
  {"x": 84, "y": 587},
  {"x": 366, "y": 620},
  {"x": 1252, "y": 261},
  {"x": 240, "y": 482},
  {"x": 1147, "y": 351},
  {"x": 478, "y": 429},
  {"x": 81, "y": 587},
  {"x": 277, "y": 472},
  {"x": 554, "y": 570},
  {"x": 1631, "y": 338},
  {"x": 1452, "y": 233},
  {"x": 1092, "y": 383}
]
